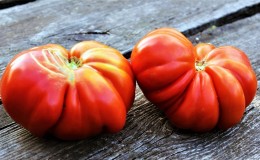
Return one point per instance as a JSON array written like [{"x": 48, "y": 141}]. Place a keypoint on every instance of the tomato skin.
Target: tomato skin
[
  {"x": 198, "y": 112},
  {"x": 71, "y": 95},
  {"x": 198, "y": 87}
]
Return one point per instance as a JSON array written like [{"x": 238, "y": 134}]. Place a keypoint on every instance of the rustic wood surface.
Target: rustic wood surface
[{"x": 120, "y": 24}]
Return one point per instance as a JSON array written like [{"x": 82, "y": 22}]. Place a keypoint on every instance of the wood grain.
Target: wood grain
[
  {"x": 147, "y": 134},
  {"x": 121, "y": 23}
]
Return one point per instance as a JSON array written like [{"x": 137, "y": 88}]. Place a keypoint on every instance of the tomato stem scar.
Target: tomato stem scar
[
  {"x": 74, "y": 63},
  {"x": 200, "y": 65}
]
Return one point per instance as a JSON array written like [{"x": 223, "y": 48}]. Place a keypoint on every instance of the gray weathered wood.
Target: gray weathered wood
[
  {"x": 117, "y": 23},
  {"x": 147, "y": 134}
]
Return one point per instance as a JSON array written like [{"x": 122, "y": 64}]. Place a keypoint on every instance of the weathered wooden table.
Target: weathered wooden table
[{"x": 120, "y": 24}]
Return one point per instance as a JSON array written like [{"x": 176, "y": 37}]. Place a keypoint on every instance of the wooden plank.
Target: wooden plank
[
  {"x": 5, "y": 120},
  {"x": 116, "y": 23},
  {"x": 148, "y": 134}
]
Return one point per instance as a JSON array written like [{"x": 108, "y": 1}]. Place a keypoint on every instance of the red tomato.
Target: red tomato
[
  {"x": 198, "y": 87},
  {"x": 72, "y": 95}
]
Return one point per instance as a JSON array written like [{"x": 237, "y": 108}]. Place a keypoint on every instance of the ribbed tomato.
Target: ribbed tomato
[
  {"x": 198, "y": 87},
  {"x": 70, "y": 94}
]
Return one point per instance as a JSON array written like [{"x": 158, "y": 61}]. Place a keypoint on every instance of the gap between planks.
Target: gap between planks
[{"x": 227, "y": 19}]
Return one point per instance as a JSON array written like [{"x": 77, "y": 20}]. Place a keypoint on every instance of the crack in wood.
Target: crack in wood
[
  {"x": 227, "y": 19},
  {"x": 91, "y": 32},
  {"x": 249, "y": 110},
  {"x": 80, "y": 35},
  {"x": 11, "y": 3},
  {"x": 9, "y": 125},
  {"x": 127, "y": 53}
]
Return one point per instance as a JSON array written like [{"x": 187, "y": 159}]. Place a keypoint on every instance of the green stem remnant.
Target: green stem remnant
[
  {"x": 74, "y": 63},
  {"x": 200, "y": 65}
]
